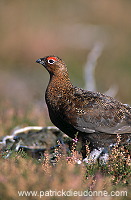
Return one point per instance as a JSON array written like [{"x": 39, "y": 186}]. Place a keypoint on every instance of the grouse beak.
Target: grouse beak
[{"x": 40, "y": 61}]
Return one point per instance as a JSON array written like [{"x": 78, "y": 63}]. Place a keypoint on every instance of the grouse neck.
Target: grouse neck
[{"x": 60, "y": 82}]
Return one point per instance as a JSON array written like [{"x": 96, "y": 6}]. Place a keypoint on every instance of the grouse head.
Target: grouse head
[{"x": 53, "y": 64}]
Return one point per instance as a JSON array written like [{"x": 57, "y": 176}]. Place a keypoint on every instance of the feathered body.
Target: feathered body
[{"x": 96, "y": 117}]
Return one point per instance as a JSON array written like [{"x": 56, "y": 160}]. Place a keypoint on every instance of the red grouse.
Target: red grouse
[{"x": 96, "y": 117}]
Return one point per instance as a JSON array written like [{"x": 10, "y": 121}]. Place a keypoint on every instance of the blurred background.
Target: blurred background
[{"x": 70, "y": 29}]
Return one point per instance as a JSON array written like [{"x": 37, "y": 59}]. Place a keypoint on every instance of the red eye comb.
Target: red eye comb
[{"x": 52, "y": 58}]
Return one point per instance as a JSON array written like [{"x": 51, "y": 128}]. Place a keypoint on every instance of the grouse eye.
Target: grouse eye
[{"x": 51, "y": 61}]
